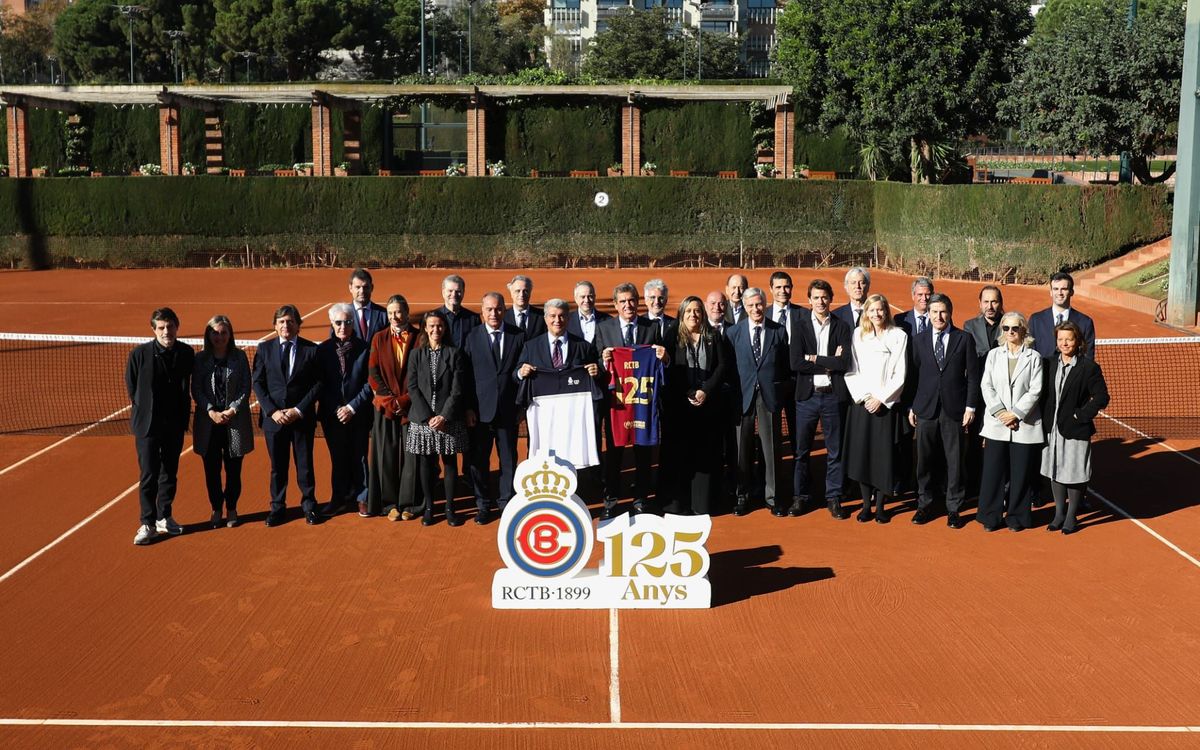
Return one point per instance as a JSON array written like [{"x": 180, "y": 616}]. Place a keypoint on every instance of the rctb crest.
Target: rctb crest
[{"x": 545, "y": 531}]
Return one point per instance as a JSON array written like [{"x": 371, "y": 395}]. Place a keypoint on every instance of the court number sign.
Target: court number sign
[{"x": 546, "y": 540}]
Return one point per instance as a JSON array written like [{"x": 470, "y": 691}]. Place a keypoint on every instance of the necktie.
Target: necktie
[
  {"x": 362, "y": 322},
  {"x": 783, "y": 316},
  {"x": 556, "y": 360},
  {"x": 521, "y": 321},
  {"x": 628, "y": 340},
  {"x": 939, "y": 348},
  {"x": 1058, "y": 319},
  {"x": 857, "y": 317},
  {"x": 757, "y": 345},
  {"x": 920, "y": 324},
  {"x": 496, "y": 348},
  {"x": 287, "y": 360}
]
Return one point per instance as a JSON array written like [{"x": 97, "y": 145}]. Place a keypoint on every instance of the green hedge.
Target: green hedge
[
  {"x": 832, "y": 153},
  {"x": 700, "y": 137},
  {"x": 950, "y": 230},
  {"x": 559, "y": 138}
]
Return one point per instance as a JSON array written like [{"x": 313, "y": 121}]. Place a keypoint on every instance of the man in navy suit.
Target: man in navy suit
[
  {"x": 460, "y": 318},
  {"x": 858, "y": 287},
  {"x": 760, "y": 348},
  {"x": 1042, "y": 323},
  {"x": 946, "y": 371},
  {"x": 586, "y": 317},
  {"x": 158, "y": 376},
  {"x": 655, "y": 293},
  {"x": 528, "y": 318},
  {"x": 626, "y": 330},
  {"x": 735, "y": 287},
  {"x": 916, "y": 320},
  {"x": 820, "y": 357},
  {"x": 286, "y": 381},
  {"x": 369, "y": 318},
  {"x": 493, "y": 350},
  {"x": 344, "y": 410}
]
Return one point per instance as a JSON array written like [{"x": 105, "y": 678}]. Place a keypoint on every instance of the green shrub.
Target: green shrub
[{"x": 699, "y": 137}]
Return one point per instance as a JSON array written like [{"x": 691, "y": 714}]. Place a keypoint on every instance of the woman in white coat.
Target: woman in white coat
[
  {"x": 874, "y": 428},
  {"x": 1012, "y": 426}
]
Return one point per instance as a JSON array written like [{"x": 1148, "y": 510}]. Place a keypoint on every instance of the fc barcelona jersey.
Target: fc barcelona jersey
[{"x": 636, "y": 377}]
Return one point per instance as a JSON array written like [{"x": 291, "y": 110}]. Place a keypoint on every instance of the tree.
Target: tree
[
  {"x": 27, "y": 41},
  {"x": 647, "y": 44},
  {"x": 909, "y": 78},
  {"x": 1091, "y": 85},
  {"x": 90, "y": 42}
]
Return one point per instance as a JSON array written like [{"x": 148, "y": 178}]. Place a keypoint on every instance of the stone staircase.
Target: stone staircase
[{"x": 1090, "y": 283}]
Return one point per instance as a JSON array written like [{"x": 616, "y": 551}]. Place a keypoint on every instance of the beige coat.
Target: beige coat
[{"x": 1021, "y": 396}]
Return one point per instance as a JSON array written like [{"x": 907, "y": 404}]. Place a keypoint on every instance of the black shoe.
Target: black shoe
[
  {"x": 864, "y": 515},
  {"x": 954, "y": 521},
  {"x": 454, "y": 520},
  {"x": 311, "y": 518},
  {"x": 992, "y": 527},
  {"x": 1070, "y": 529},
  {"x": 427, "y": 520},
  {"x": 275, "y": 518},
  {"x": 1054, "y": 527},
  {"x": 882, "y": 516},
  {"x": 836, "y": 510},
  {"x": 739, "y": 508},
  {"x": 797, "y": 508},
  {"x": 483, "y": 517},
  {"x": 1013, "y": 524},
  {"x": 922, "y": 517},
  {"x": 331, "y": 508}
]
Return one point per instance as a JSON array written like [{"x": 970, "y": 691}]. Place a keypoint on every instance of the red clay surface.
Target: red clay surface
[{"x": 362, "y": 620}]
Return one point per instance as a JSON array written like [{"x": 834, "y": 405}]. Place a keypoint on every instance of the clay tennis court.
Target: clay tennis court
[{"x": 365, "y": 633}]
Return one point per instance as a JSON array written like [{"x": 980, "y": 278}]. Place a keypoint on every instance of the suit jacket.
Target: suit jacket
[
  {"x": 237, "y": 389},
  {"x": 953, "y": 386},
  {"x": 389, "y": 383},
  {"x": 846, "y": 314},
  {"x": 461, "y": 324},
  {"x": 1021, "y": 395},
  {"x": 376, "y": 322},
  {"x": 664, "y": 328},
  {"x": 804, "y": 343},
  {"x": 451, "y": 396},
  {"x": 610, "y": 333},
  {"x": 770, "y": 375},
  {"x": 1041, "y": 328},
  {"x": 907, "y": 320},
  {"x": 575, "y": 327},
  {"x": 351, "y": 389},
  {"x": 977, "y": 327},
  {"x": 535, "y": 321},
  {"x": 139, "y": 384},
  {"x": 729, "y": 313},
  {"x": 1083, "y": 396},
  {"x": 678, "y": 380},
  {"x": 579, "y": 352},
  {"x": 298, "y": 392},
  {"x": 493, "y": 393}
]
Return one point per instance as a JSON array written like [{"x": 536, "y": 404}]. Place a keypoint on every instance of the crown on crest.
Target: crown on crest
[{"x": 546, "y": 484}]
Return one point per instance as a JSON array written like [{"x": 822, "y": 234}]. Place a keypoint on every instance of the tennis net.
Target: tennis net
[{"x": 67, "y": 384}]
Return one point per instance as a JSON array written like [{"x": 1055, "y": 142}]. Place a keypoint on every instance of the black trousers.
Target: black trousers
[
  {"x": 769, "y": 437},
  {"x": 283, "y": 445},
  {"x": 215, "y": 459},
  {"x": 158, "y": 465},
  {"x": 1014, "y": 463},
  {"x": 483, "y": 436},
  {"x": 393, "y": 477},
  {"x": 941, "y": 445},
  {"x": 614, "y": 461},
  {"x": 347, "y": 445}
]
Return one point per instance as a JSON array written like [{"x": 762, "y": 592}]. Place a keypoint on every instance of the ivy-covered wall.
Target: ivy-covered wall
[
  {"x": 702, "y": 137},
  {"x": 555, "y": 137}
]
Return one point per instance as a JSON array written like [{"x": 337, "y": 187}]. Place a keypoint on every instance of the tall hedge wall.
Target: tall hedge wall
[
  {"x": 510, "y": 221},
  {"x": 554, "y": 137},
  {"x": 700, "y": 137}
]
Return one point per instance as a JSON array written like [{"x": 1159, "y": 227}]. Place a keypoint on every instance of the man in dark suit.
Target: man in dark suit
[
  {"x": 916, "y": 320},
  {"x": 369, "y": 318},
  {"x": 728, "y": 400},
  {"x": 655, "y": 292},
  {"x": 820, "y": 357},
  {"x": 985, "y": 327},
  {"x": 344, "y": 410},
  {"x": 760, "y": 348},
  {"x": 460, "y": 318},
  {"x": 735, "y": 287},
  {"x": 158, "y": 378},
  {"x": 583, "y": 321},
  {"x": 626, "y": 330},
  {"x": 493, "y": 351},
  {"x": 858, "y": 286},
  {"x": 1042, "y": 323},
  {"x": 529, "y": 319},
  {"x": 946, "y": 370},
  {"x": 286, "y": 382}
]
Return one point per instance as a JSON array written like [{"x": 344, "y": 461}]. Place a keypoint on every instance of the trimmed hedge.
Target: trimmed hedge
[
  {"x": 700, "y": 137},
  {"x": 952, "y": 230},
  {"x": 560, "y": 137}
]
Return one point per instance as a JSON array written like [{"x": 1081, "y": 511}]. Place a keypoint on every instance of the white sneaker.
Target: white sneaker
[
  {"x": 145, "y": 535},
  {"x": 168, "y": 526}
]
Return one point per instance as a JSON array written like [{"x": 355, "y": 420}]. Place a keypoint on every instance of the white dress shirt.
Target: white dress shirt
[{"x": 587, "y": 324}]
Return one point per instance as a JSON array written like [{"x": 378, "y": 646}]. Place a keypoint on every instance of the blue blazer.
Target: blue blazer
[
  {"x": 949, "y": 388},
  {"x": 460, "y": 324},
  {"x": 299, "y": 391},
  {"x": 1041, "y": 328},
  {"x": 535, "y": 321},
  {"x": 376, "y": 322},
  {"x": 537, "y": 353},
  {"x": 772, "y": 373},
  {"x": 351, "y": 389},
  {"x": 575, "y": 327},
  {"x": 493, "y": 394}
]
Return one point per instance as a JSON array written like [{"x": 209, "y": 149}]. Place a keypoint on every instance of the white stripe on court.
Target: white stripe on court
[
  {"x": 1141, "y": 434},
  {"x": 10, "y": 572},
  {"x": 641, "y": 725},
  {"x": 614, "y": 667},
  {"x": 1169, "y": 544}
]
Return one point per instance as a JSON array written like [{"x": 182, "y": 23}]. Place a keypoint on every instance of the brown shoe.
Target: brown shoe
[{"x": 394, "y": 514}]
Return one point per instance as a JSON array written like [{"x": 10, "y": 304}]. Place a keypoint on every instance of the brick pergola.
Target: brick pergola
[{"x": 350, "y": 98}]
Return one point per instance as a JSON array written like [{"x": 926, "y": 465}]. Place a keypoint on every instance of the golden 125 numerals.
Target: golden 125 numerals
[{"x": 651, "y": 561}]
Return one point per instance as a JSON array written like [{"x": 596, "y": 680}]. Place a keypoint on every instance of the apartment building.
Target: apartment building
[{"x": 572, "y": 24}]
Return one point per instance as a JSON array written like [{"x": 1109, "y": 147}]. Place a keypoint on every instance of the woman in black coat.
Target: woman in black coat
[
  {"x": 692, "y": 446},
  {"x": 1073, "y": 394},
  {"x": 438, "y": 418}
]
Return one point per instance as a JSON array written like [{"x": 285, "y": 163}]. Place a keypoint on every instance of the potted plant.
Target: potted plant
[
  {"x": 800, "y": 171},
  {"x": 150, "y": 169},
  {"x": 765, "y": 171},
  {"x": 303, "y": 168},
  {"x": 342, "y": 170},
  {"x": 615, "y": 169},
  {"x": 649, "y": 168},
  {"x": 456, "y": 170},
  {"x": 190, "y": 169},
  {"x": 765, "y": 148},
  {"x": 41, "y": 171},
  {"x": 497, "y": 169}
]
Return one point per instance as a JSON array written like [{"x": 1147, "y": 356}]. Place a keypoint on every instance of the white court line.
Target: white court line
[
  {"x": 9, "y": 573},
  {"x": 1169, "y": 544},
  {"x": 614, "y": 667},
  {"x": 641, "y": 725},
  {"x": 1141, "y": 434},
  {"x": 73, "y": 435}
]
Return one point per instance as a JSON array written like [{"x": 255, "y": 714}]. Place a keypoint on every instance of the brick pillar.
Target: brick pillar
[
  {"x": 631, "y": 139},
  {"x": 785, "y": 133},
  {"x": 476, "y": 138},
  {"x": 352, "y": 140},
  {"x": 214, "y": 142},
  {"x": 322, "y": 146},
  {"x": 17, "y": 115},
  {"x": 168, "y": 139}
]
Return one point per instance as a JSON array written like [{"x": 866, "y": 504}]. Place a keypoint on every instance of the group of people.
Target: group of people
[{"x": 399, "y": 403}]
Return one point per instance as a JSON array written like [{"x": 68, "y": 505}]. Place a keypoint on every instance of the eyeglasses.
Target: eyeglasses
[
  {"x": 1010, "y": 328},
  {"x": 341, "y": 322}
]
